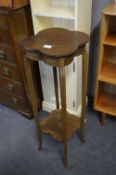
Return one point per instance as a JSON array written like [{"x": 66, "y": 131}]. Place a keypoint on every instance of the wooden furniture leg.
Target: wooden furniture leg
[
  {"x": 63, "y": 107},
  {"x": 84, "y": 92},
  {"x": 103, "y": 118},
  {"x": 33, "y": 99},
  {"x": 56, "y": 86}
]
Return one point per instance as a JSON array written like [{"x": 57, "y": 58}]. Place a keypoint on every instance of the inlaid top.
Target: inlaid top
[{"x": 56, "y": 42}]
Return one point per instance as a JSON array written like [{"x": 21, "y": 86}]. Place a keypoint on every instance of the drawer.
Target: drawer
[
  {"x": 7, "y": 53},
  {"x": 10, "y": 71},
  {"x": 12, "y": 86},
  {"x": 15, "y": 101},
  {"x": 3, "y": 21},
  {"x": 5, "y": 36}
]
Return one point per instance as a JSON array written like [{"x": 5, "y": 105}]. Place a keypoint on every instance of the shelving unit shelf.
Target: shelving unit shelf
[
  {"x": 106, "y": 100},
  {"x": 105, "y": 93}
]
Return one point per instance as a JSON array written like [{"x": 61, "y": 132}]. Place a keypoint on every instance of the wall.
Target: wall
[{"x": 97, "y": 7}]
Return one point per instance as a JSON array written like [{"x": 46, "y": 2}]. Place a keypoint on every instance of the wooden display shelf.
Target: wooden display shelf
[
  {"x": 108, "y": 73},
  {"x": 106, "y": 103},
  {"x": 110, "y": 39},
  {"x": 53, "y": 124},
  {"x": 105, "y": 93}
]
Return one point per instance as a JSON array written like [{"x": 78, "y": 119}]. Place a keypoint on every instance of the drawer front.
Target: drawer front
[
  {"x": 3, "y": 21},
  {"x": 15, "y": 101},
  {"x": 7, "y": 54},
  {"x": 9, "y": 71},
  {"x": 5, "y": 36},
  {"x": 12, "y": 86}
]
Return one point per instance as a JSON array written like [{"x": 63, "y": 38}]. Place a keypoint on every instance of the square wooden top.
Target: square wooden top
[
  {"x": 14, "y": 4},
  {"x": 110, "y": 9}
]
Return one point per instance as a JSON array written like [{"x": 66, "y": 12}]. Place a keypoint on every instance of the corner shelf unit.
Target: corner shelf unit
[
  {"x": 53, "y": 12},
  {"x": 105, "y": 93},
  {"x": 70, "y": 14}
]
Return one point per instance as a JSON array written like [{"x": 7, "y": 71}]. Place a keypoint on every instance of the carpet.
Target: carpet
[{"x": 19, "y": 153}]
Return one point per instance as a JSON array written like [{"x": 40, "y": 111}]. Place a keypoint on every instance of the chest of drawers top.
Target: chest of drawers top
[{"x": 13, "y": 4}]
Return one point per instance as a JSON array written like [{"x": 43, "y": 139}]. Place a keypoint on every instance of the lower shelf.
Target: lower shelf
[
  {"x": 108, "y": 73},
  {"x": 53, "y": 125},
  {"x": 106, "y": 103}
]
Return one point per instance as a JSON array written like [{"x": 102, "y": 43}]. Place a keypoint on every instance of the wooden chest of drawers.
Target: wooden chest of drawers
[{"x": 15, "y": 26}]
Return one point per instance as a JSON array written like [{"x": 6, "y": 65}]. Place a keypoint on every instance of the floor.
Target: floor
[{"x": 19, "y": 153}]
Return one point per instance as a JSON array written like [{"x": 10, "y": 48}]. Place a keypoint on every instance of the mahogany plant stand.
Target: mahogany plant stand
[{"x": 57, "y": 48}]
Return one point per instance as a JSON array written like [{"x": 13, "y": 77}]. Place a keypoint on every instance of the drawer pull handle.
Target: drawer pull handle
[
  {"x": 2, "y": 54},
  {"x": 10, "y": 87},
  {"x": 7, "y": 71},
  {"x": 15, "y": 101}
]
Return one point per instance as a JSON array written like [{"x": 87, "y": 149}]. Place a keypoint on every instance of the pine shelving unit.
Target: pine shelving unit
[{"x": 105, "y": 93}]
